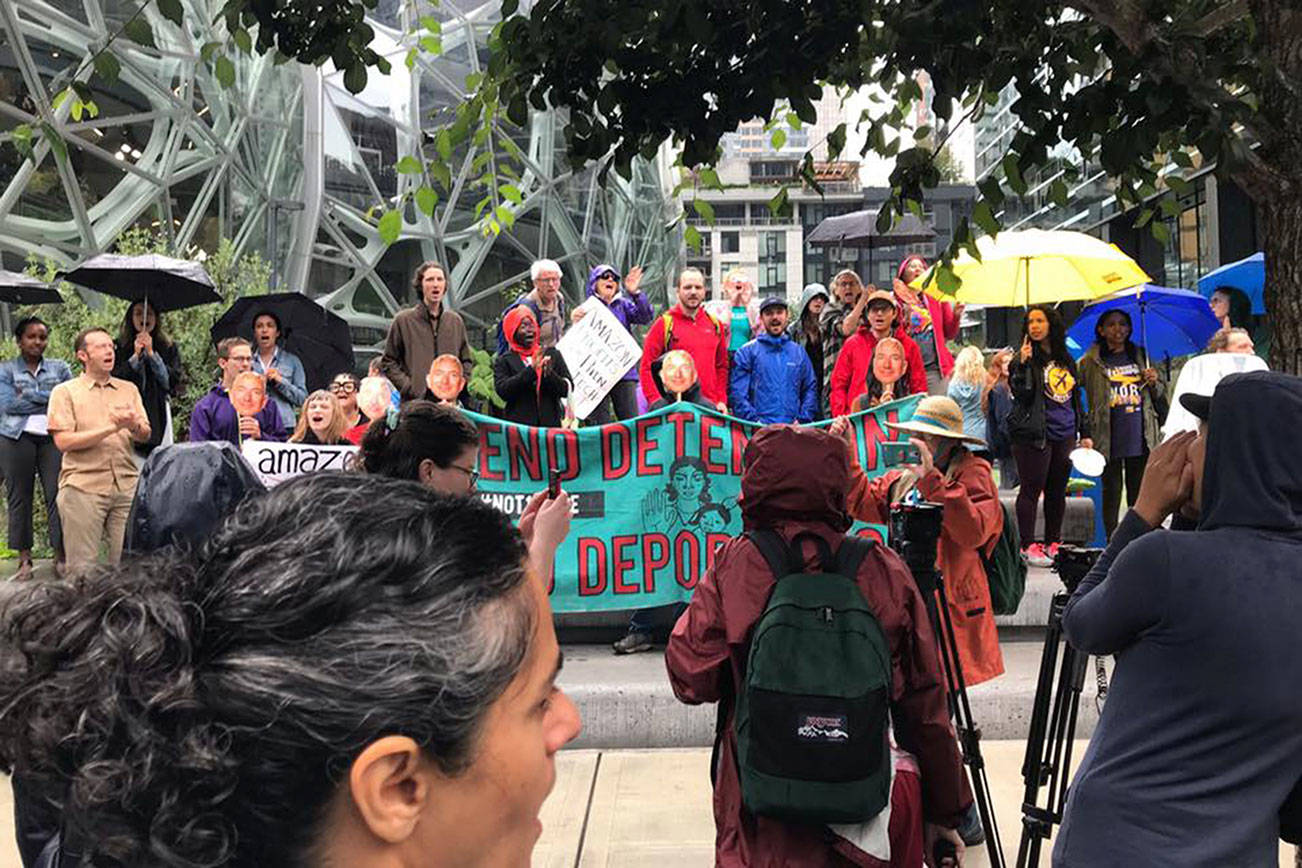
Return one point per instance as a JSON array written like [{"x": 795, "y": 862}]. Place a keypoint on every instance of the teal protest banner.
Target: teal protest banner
[{"x": 654, "y": 497}]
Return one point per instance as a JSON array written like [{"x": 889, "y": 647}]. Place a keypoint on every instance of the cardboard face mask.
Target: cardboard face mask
[
  {"x": 374, "y": 398},
  {"x": 445, "y": 378},
  {"x": 888, "y": 363},
  {"x": 248, "y": 393},
  {"x": 678, "y": 372}
]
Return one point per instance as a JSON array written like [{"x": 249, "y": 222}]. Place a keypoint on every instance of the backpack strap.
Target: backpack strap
[
  {"x": 787, "y": 559},
  {"x": 668, "y": 320},
  {"x": 851, "y": 555}
]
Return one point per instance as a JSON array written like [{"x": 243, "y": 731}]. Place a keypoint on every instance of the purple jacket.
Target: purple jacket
[
  {"x": 214, "y": 418},
  {"x": 628, "y": 309}
]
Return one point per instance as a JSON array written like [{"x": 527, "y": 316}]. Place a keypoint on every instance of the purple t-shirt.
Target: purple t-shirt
[
  {"x": 1059, "y": 412},
  {"x": 1127, "y": 403}
]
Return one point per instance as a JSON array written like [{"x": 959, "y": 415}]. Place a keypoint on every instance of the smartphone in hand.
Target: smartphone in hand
[
  {"x": 553, "y": 483},
  {"x": 899, "y": 452}
]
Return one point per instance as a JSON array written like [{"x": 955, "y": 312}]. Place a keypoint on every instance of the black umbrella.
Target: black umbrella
[
  {"x": 859, "y": 229},
  {"x": 319, "y": 338},
  {"x": 18, "y": 288},
  {"x": 165, "y": 282}
]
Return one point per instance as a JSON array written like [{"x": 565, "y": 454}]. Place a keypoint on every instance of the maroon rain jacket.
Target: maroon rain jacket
[{"x": 795, "y": 480}]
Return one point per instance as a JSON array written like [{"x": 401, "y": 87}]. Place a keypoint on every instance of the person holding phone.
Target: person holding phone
[{"x": 1046, "y": 423}]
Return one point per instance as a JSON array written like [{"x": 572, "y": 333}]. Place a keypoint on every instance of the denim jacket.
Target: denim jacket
[
  {"x": 22, "y": 395},
  {"x": 291, "y": 391}
]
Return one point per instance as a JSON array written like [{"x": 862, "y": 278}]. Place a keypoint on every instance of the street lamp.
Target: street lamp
[{"x": 275, "y": 206}]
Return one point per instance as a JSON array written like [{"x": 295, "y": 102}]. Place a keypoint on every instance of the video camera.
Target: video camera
[
  {"x": 914, "y": 535},
  {"x": 1073, "y": 563}
]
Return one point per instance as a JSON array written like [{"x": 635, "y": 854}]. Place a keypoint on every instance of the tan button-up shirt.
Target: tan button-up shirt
[{"x": 81, "y": 404}]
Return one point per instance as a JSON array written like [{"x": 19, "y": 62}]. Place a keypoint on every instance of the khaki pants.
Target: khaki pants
[{"x": 89, "y": 519}]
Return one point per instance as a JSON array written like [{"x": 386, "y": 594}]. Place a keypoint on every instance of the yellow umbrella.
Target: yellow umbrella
[{"x": 1035, "y": 266}]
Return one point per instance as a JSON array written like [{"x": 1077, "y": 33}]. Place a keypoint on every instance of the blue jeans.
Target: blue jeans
[{"x": 657, "y": 619}]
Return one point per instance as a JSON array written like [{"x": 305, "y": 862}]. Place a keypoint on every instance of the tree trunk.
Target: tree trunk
[{"x": 1282, "y": 219}]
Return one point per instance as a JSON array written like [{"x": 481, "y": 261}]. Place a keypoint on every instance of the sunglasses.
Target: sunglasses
[
  {"x": 343, "y": 387},
  {"x": 609, "y": 275}
]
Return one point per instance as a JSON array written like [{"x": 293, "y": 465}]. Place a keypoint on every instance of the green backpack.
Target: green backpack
[
  {"x": 813, "y": 709},
  {"x": 1006, "y": 567}
]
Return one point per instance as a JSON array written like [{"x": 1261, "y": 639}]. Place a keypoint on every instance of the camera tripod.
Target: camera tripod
[
  {"x": 917, "y": 546},
  {"x": 1053, "y": 716}
]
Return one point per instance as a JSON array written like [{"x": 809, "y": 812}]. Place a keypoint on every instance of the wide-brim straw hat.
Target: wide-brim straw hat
[{"x": 939, "y": 415}]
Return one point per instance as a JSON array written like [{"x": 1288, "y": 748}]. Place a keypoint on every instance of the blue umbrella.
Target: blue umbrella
[
  {"x": 1247, "y": 275},
  {"x": 1167, "y": 322}
]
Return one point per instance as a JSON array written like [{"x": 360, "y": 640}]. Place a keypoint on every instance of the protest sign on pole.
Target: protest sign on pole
[
  {"x": 275, "y": 462},
  {"x": 598, "y": 352},
  {"x": 654, "y": 497}
]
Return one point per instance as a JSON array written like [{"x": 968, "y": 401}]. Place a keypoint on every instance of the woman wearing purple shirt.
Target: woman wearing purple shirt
[
  {"x": 1123, "y": 409},
  {"x": 631, "y": 308},
  {"x": 1046, "y": 423}
]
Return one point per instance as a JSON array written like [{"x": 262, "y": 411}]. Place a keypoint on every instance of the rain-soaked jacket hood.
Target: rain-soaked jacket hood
[
  {"x": 185, "y": 491},
  {"x": 596, "y": 272},
  {"x": 794, "y": 473},
  {"x": 811, "y": 292},
  {"x": 1252, "y": 476}
]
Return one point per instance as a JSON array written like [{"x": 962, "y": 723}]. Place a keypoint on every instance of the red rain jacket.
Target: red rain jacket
[
  {"x": 795, "y": 481},
  {"x": 855, "y": 362},
  {"x": 704, "y": 339}
]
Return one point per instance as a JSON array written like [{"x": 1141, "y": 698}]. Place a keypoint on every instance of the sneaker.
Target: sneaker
[
  {"x": 1052, "y": 551},
  {"x": 633, "y": 643},
  {"x": 970, "y": 829},
  {"x": 1036, "y": 556}
]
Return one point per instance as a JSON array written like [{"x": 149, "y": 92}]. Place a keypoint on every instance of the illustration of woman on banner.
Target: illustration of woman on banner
[{"x": 682, "y": 501}]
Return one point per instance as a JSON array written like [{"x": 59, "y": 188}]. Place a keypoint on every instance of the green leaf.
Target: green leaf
[
  {"x": 710, "y": 178},
  {"x": 443, "y": 142},
  {"x": 692, "y": 236},
  {"x": 509, "y": 7},
  {"x": 921, "y": 133},
  {"x": 780, "y": 204},
  {"x": 778, "y": 139},
  {"x": 705, "y": 209},
  {"x": 172, "y": 11},
  {"x": 225, "y": 71},
  {"x": 355, "y": 78},
  {"x": 947, "y": 281},
  {"x": 60, "y": 98},
  {"x": 430, "y": 23},
  {"x": 82, "y": 90},
  {"x": 512, "y": 192},
  {"x": 1014, "y": 174},
  {"x": 390, "y": 226},
  {"x": 139, "y": 32},
  {"x": 793, "y": 120},
  {"x": 1182, "y": 159},
  {"x": 836, "y": 142},
  {"x": 107, "y": 67},
  {"x": 431, "y": 44},
  {"x": 75, "y": 111},
  {"x": 426, "y": 200},
  {"x": 409, "y": 165},
  {"x": 242, "y": 40},
  {"x": 984, "y": 217},
  {"x": 504, "y": 216},
  {"x": 442, "y": 174},
  {"x": 208, "y": 49},
  {"x": 1161, "y": 232},
  {"x": 411, "y": 58}
]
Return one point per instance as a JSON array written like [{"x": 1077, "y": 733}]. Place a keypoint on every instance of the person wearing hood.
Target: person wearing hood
[
  {"x": 530, "y": 380},
  {"x": 840, "y": 320},
  {"x": 794, "y": 484},
  {"x": 929, "y": 321},
  {"x": 772, "y": 378},
  {"x": 806, "y": 331},
  {"x": 1200, "y": 741},
  {"x": 854, "y": 364},
  {"x": 631, "y": 307}
]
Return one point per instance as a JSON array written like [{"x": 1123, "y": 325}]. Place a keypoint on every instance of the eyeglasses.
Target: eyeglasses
[
  {"x": 473, "y": 474},
  {"x": 343, "y": 387}
]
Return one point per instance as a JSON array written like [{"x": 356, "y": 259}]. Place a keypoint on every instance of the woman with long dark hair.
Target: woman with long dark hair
[
  {"x": 350, "y": 671},
  {"x": 1046, "y": 423},
  {"x": 26, "y": 447},
  {"x": 147, "y": 357},
  {"x": 1124, "y": 415}
]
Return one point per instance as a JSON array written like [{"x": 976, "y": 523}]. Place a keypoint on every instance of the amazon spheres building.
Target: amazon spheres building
[{"x": 285, "y": 162}]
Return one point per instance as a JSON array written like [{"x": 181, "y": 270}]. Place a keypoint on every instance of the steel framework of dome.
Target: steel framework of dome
[{"x": 287, "y": 162}]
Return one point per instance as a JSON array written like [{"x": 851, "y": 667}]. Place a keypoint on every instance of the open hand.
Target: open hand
[{"x": 633, "y": 280}]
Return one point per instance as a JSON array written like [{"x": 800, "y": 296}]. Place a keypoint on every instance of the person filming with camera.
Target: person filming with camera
[{"x": 1200, "y": 741}]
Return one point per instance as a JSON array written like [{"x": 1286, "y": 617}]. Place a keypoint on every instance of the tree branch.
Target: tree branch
[{"x": 1222, "y": 17}]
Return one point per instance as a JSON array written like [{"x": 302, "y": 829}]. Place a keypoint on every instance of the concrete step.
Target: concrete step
[
  {"x": 626, "y": 702},
  {"x": 1029, "y": 619}
]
